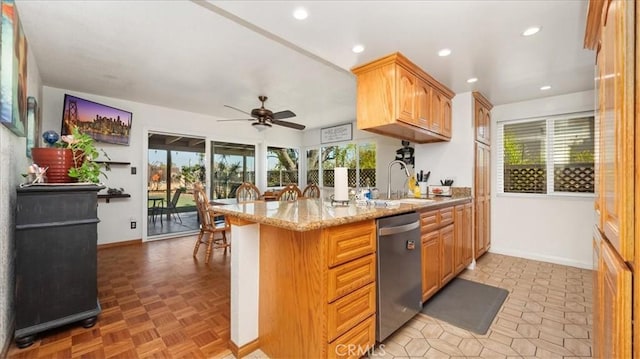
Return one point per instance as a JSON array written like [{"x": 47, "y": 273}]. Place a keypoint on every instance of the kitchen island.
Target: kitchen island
[{"x": 303, "y": 275}]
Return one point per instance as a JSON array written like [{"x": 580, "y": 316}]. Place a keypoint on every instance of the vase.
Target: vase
[{"x": 57, "y": 160}]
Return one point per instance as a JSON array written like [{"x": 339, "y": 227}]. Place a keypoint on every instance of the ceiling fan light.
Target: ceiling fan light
[{"x": 261, "y": 126}]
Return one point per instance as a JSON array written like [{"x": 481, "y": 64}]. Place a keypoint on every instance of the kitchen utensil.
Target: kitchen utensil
[{"x": 426, "y": 178}]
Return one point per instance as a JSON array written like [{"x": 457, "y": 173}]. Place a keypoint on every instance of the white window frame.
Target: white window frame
[
  {"x": 549, "y": 121},
  {"x": 336, "y": 144}
]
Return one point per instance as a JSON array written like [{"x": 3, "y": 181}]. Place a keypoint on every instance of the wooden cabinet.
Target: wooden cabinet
[
  {"x": 430, "y": 264},
  {"x": 447, "y": 256},
  {"x": 614, "y": 318},
  {"x": 463, "y": 238},
  {"x": 319, "y": 295},
  {"x": 612, "y": 30},
  {"x": 482, "y": 118},
  {"x": 446, "y": 240},
  {"x": 56, "y": 259},
  {"x": 398, "y": 99},
  {"x": 482, "y": 194}
]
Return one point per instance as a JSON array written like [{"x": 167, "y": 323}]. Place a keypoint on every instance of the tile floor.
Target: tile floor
[
  {"x": 160, "y": 302},
  {"x": 546, "y": 315}
]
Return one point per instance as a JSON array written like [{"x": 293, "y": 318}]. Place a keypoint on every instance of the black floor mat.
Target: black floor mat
[{"x": 466, "y": 304}]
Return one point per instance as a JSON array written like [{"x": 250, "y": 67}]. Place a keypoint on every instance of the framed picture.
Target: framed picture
[
  {"x": 337, "y": 133},
  {"x": 13, "y": 77},
  {"x": 33, "y": 124},
  {"x": 103, "y": 123}
]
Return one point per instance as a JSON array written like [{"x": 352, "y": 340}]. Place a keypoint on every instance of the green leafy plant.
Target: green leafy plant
[{"x": 85, "y": 169}]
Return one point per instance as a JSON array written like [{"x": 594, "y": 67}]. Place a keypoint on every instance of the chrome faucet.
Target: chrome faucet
[{"x": 406, "y": 171}]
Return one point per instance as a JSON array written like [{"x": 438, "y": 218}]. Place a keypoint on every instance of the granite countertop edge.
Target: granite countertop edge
[{"x": 322, "y": 222}]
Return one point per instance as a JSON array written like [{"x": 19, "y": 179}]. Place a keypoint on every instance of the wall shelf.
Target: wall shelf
[
  {"x": 108, "y": 197},
  {"x": 113, "y": 163}
]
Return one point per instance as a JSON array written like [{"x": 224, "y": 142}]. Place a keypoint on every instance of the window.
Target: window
[
  {"x": 232, "y": 164},
  {"x": 282, "y": 166},
  {"x": 552, "y": 155},
  {"x": 360, "y": 160}
]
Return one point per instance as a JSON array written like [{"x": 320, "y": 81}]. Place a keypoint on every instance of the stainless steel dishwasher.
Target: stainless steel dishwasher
[{"x": 399, "y": 291}]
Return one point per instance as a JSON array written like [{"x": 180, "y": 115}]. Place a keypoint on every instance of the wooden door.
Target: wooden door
[
  {"x": 467, "y": 235},
  {"x": 614, "y": 319},
  {"x": 447, "y": 265},
  {"x": 430, "y": 264},
  {"x": 423, "y": 104},
  {"x": 446, "y": 117},
  {"x": 458, "y": 238},
  {"x": 437, "y": 99},
  {"x": 406, "y": 95},
  {"x": 617, "y": 128}
]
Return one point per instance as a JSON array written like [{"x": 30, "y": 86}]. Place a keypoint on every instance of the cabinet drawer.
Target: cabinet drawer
[
  {"x": 350, "y": 276},
  {"x": 356, "y": 342},
  {"x": 350, "y": 241},
  {"x": 346, "y": 312},
  {"x": 429, "y": 221},
  {"x": 445, "y": 216}
]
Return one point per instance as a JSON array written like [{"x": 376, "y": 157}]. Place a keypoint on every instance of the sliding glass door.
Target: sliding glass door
[{"x": 231, "y": 164}]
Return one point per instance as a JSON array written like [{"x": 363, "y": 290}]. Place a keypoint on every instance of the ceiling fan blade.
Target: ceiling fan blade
[
  {"x": 295, "y": 126},
  {"x": 238, "y": 119},
  {"x": 283, "y": 114},
  {"x": 237, "y": 109}
]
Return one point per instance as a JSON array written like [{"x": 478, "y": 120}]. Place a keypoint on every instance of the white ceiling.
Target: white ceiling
[{"x": 199, "y": 56}]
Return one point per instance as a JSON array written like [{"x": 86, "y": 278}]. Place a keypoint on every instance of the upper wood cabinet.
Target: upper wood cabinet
[
  {"x": 482, "y": 118},
  {"x": 398, "y": 99}
]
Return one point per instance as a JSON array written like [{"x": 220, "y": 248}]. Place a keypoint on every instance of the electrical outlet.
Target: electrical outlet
[
  {"x": 133, "y": 170},
  {"x": 133, "y": 225}
]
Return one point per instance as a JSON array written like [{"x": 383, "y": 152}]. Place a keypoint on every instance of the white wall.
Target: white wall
[
  {"x": 547, "y": 228},
  {"x": 115, "y": 216},
  {"x": 453, "y": 159},
  {"x": 13, "y": 162}
]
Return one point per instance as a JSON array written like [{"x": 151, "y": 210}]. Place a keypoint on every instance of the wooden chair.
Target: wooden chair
[
  {"x": 247, "y": 192},
  {"x": 290, "y": 193},
  {"x": 311, "y": 191},
  {"x": 211, "y": 223}
]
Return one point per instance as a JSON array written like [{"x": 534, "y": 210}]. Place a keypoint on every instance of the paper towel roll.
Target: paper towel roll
[{"x": 340, "y": 184}]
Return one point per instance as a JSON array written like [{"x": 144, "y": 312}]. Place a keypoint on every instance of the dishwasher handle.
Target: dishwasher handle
[{"x": 387, "y": 231}]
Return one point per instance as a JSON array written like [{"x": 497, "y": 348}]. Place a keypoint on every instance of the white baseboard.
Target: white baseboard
[{"x": 542, "y": 257}]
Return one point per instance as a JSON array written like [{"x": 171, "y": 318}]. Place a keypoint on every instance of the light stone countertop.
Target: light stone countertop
[{"x": 309, "y": 214}]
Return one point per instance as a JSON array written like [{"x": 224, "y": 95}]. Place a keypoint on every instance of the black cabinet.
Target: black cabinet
[{"x": 56, "y": 260}]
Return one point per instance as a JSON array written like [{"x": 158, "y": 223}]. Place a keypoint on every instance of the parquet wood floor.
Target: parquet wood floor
[{"x": 157, "y": 302}]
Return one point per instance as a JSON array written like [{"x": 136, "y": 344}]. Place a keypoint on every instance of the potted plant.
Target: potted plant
[{"x": 69, "y": 160}]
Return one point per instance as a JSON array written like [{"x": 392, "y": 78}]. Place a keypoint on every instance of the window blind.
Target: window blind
[{"x": 544, "y": 156}]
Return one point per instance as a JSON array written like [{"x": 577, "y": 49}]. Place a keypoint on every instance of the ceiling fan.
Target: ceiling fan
[{"x": 265, "y": 118}]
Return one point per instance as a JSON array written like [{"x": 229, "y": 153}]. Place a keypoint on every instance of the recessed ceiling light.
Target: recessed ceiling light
[
  {"x": 444, "y": 52},
  {"x": 300, "y": 13},
  {"x": 358, "y": 49},
  {"x": 531, "y": 31},
  {"x": 545, "y": 88},
  {"x": 472, "y": 80}
]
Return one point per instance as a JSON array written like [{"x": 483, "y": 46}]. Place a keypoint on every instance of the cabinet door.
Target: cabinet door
[
  {"x": 437, "y": 100},
  {"x": 458, "y": 238},
  {"x": 479, "y": 120},
  {"x": 430, "y": 264},
  {"x": 597, "y": 296},
  {"x": 614, "y": 325},
  {"x": 423, "y": 104},
  {"x": 406, "y": 95},
  {"x": 446, "y": 117},
  {"x": 447, "y": 265},
  {"x": 617, "y": 128},
  {"x": 482, "y": 192},
  {"x": 467, "y": 235}
]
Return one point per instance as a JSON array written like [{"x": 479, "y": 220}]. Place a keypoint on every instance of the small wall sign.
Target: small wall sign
[{"x": 337, "y": 133}]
